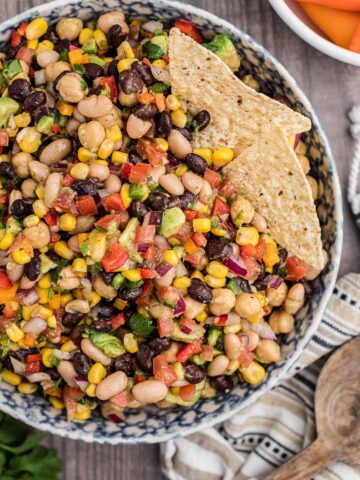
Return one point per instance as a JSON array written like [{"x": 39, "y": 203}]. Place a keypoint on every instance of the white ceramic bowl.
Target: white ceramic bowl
[
  {"x": 295, "y": 17},
  {"x": 152, "y": 424}
]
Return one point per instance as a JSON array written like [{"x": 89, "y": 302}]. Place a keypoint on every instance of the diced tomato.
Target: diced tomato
[
  {"x": 9, "y": 312},
  {"x": 115, "y": 258},
  {"x": 4, "y": 138},
  {"x": 32, "y": 367},
  {"x": 246, "y": 357},
  {"x": 51, "y": 218},
  {"x": 165, "y": 326},
  {"x": 145, "y": 234},
  {"x": 65, "y": 201},
  {"x": 4, "y": 199},
  {"x": 184, "y": 232},
  {"x": 113, "y": 202},
  {"x": 160, "y": 101},
  {"x": 296, "y": 269},
  {"x": 35, "y": 357},
  {"x": 190, "y": 215},
  {"x": 139, "y": 378},
  {"x": 188, "y": 28},
  {"x": 221, "y": 320},
  {"x": 86, "y": 205},
  {"x": 253, "y": 268},
  {"x": 163, "y": 371},
  {"x": 71, "y": 395},
  {"x": 166, "y": 58},
  {"x": 194, "y": 258},
  {"x": 15, "y": 38},
  {"x": 220, "y": 207},
  {"x": 253, "y": 251},
  {"x": 187, "y": 350},
  {"x": 5, "y": 282},
  {"x": 168, "y": 295},
  {"x": 25, "y": 54},
  {"x": 199, "y": 239},
  {"x": 118, "y": 321},
  {"x": 67, "y": 180},
  {"x": 108, "y": 220},
  {"x": 55, "y": 128},
  {"x": 122, "y": 399},
  {"x": 227, "y": 189},
  {"x": 207, "y": 353},
  {"x": 187, "y": 392},
  {"x": 212, "y": 177},
  {"x": 139, "y": 172},
  {"x": 147, "y": 273},
  {"x": 149, "y": 254},
  {"x": 144, "y": 299},
  {"x": 126, "y": 170},
  {"x": 111, "y": 83},
  {"x": 150, "y": 150},
  {"x": 22, "y": 28}
]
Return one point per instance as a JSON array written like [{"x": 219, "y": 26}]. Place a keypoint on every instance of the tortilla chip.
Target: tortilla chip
[
  {"x": 268, "y": 173},
  {"x": 203, "y": 81}
]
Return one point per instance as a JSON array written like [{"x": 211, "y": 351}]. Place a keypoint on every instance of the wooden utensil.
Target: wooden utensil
[{"x": 337, "y": 409}]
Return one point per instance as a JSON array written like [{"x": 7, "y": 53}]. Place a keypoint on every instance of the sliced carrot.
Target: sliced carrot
[
  {"x": 145, "y": 97},
  {"x": 355, "y": 41},
  {"x": 340, "y": 4}
]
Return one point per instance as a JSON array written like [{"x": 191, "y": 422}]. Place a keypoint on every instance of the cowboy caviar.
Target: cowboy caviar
[{"x": 131, "y": 272}]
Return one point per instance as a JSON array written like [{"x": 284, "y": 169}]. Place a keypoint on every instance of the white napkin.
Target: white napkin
[{"x": 268, "y": 433}]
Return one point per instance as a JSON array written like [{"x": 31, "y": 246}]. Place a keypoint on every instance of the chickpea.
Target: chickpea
[
  {"x": 259, "y": 223},
  {"x": 69, "y": 28},
  {"x": 70, "y": 88},
  {"x": 83, "y": 224},
  {"x": 276, "y": 296},
  {"x": 136, "y": 127},
  {"x": 172, "y": 184},
  {"x": 218, "y": 366},
  {"x": 247, "y": 305},
  {"x": 95, "y": 106},
  {"x": 38, "y": 235},
  {"x": 193, "y": 308},
  {"x": 304, "y": 162},
  {"x": 232, "y": 346},
  {"x": 223, "y": 301},
  {"x": 268, "y": 351},
  {"x": 99, "y": 171},
  {"x": 106, "y": 291},
  {"x": 112, "y": 184},
  {"x": 91, "y": 135},
  {"x": 39, "y": 171},
  {"x": 21, "y": 163},
  {"x": 179, "y": 145},
  {"x": 47, "y": 57},
  {"x": 295, "y": 298},
  {"x": 107, "y": 20},
  {"x": 127, "y": 100},
  {"x": 251, "y": 341},
  {"x": 112, "y": 118},
  {"x": 28, "y": 187},
  {"x": 314, "y": 187},
  {"x": 56, "y": 151},
  {"x": 242, "y": 208},
  {"x": 281, "y": 322},
  {"x": 53, "y": 70},
  {"x": 192, "y": 182}
]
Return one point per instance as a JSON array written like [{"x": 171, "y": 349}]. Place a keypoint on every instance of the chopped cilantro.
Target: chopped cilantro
[
  {"x": 159, "y": 87},
  {"x": 96, "y": 268},
  {"x": 84, "y": 249},
  {"x": 141, "y": 325}
]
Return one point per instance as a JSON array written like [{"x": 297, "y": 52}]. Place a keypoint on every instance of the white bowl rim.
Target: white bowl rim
[
  {"x": 312, "y": 37},
  {"x": 338, "y": 213}
]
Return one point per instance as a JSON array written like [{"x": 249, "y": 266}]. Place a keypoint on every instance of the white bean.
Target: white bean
[
  {"x": 178, "y": 144},
  {"x": 95, "y": 106},
  {"x": 192, "y": 182},
  {"x": 39, "y": 171},
  {"x": 56, "y": 151},
  {"x": 136, "y": 127},
  {"x": 77, "y": 305},
  {"x": 218, "y": 366},
  {"x": 172, "y": 184},
  {"x": 52, "y": 188},
  {"x": 67, "y": 371},
  {"x": 94, "y": 353},
  {"x": 232, "y": 346},
  {"x": 112, "y": 118},
  {"x": 91, "y": 135},
  {"x": 156, "y": 172},
  {"x": 150, "y": 391},
  {"x": 111, "y": 385},
  {"x": 106, "y": 291},
  {"x": 206, "y": 189},
  {"x": 28, "y": 187},
  {"x": 46, "y": 57},
  {"x": 112, "y": 184},
  {"x": 242, "y": 206},
  {"x": 99, "y": 171}
]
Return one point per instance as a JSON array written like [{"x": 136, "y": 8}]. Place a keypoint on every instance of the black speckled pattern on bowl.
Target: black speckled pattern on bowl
[{"x": 152, "y": 425}]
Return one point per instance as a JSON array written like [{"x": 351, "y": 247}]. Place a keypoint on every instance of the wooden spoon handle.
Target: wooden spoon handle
[{"x": 304, "y": 465}]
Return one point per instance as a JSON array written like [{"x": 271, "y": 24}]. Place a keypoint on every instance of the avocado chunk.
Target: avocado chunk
[
  {"x": 225, "y": 49},
  {"x": 128, "y": 235},
  {"x": 183, "y": 403},
  {"x": 8, "y": 107},
  {"x": 172, "y": 221}
]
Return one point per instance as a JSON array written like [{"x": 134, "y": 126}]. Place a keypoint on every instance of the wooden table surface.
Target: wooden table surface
[{"x": 332, "y": 88}]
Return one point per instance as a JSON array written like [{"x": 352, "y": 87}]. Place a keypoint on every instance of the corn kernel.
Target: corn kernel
[
  {"x": 11, "y": 377},
  {"x": 132, "y": 275},
  {"x": 113, "y": 133},
  {"x": 179, "y": 118},
  {"x": 199, "y": 275},
  {"x": 172, "y": 102},
  {"x": 33, "y": 44},
  {"x": 205, "y": 153},
  {"x": 125, "y": 197},
  {"x": 190, "y": 246},
  {"x": 125, "y": 49},
  {"x": 20, "y": 256},
  {"x": 84, "y": 155},
  {"x": 65, "y": 298},
  {"x": 56, "y": 403},
  {"x": 106, "y": 149},
  {"x": 45, "y": 357},
  {"x": 201, "y": 317},
  {"x": 94, "y": 299},
  {"x": 253, "y": 374},
  {"x": 79, "y": 265},
  {"x": 44, "y": 46},
  {"x": 45, "y": 281},
  {"x": 100, "y": 39},
  {"x": 101, "y": 162},
  {"x": 27, "y": 388},
  {"x": 14, "y": 333},
  {"x": 217, "y": 269},
  {"x": 65, "y": 109},
  {"x": 22, "y": 120},
  {"x": 247, "y": 236},
  {"x": 96, "y": 373},
  {"x": 86, "y": 34},
  {"x": 68, "y": 346},
  {"x": 67, "y": 221},
  {"x": 170, "y": 256},
  {"x": 214, "y": 282},
  {"x": 162, "y": 143},
  {"x": 202, "y": 225},
  {"x": 119, "y": 157},
  {"x": 271, "y": 254},
  {"x": 6, "y": 241},
  {"x": 179, "y": 172},
  {"x": 80, "y": 171},
  {"x": 130, "y": 343},
  {"x": 91, "y": 391},
  {"x": 51, "y": 321},
  {"x": 219, "y": 232},
  {"x": 83, "y": 412},
  {"x": 261, "y": 298},
  {"x": 125, "y": 64},
  {"x": 222, "y": 155},
  {"x": 31, "y": 220},
  {"x": 40, "y": 192},
  {"x": 63, "y": 250},
  {"x": 174, "y": 241},
  {"x": 182, "y": 284},
  {"x": 36, "y": 29},
  {"x": 255, "y": 319},
  {"x": 233, "y": 328},
  {"x": 26, "y": 311},
  {"x": 29, "y": 139},
  {"x": 40, "y": 209},
  {"x": 160, "y": 63}
]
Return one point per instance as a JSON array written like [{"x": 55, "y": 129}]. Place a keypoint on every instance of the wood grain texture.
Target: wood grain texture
[{"x": 332, "y": 88}]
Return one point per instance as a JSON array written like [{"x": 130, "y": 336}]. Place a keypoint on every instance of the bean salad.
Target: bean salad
[{"x": 131, "y": 271}]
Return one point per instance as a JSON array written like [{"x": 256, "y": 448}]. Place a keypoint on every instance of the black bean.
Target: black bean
[
  {"x": 146, "y": 111},
  {"x": 138, "y": 209},
  {"x": 101, "y": 326},
  {"x": 144, "y": 358},
  {"x": 201, "y": 120},
  {"x": 54, "y": 257},
  {"x": 92, "y": 71},
  {"x": 262, "y": 280},
  {"x": 193, "y": 373},
  {"x": 134, "y": 158},
  {"x": 70, "y": 320},
  {"x": 7, "y": 170},
  {"x": 130, "y": 295},
  {"x": 182, "y": 201},
  {"x": 54, "y": 374},
  {"x": 105, "y": 310},
  {"x": 125, "y": 363},
  {"x": 19, "y": 89},
  {"x": 6, "y": 363},
  {"x": 112, "y": 69},
  {"x": 34, "y": 101},
  {"x": 62, "y": 45},
  {"x": 217, "y": 249},
  {"x": 199, "y": 291},
  {"x": 115, "y": 36},
  {"x": 58, "y": 78},
  {"x": 158, "y": 201},
  {"x": 85, "y": 187},
  {"x": 130, "y": 82},
  {"x": 185, "y": 132},
  {"x": 19, "y": 208},
  {"x": 282, "y": 255},
  {"x": 223, "y": 383},
  {"x": 144, "y": 71},
  {"x": 160, "y": 345},
  {"x": 107, "y": 277},
  {"x": 163, "y": 124},
  {"x": 244, "y": 285},
  {"x": 81, "y": 363},
  {"x": 196, "y": 163},
  {"x": 42, "y": 111},
  {"x": 32, "y": 269}
]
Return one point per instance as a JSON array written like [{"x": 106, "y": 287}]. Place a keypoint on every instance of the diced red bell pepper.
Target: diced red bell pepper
[
  {"x": 108, "y": 220},
  {"x": 253, "y": 251},
  {"x": 36, "y": 357},
  {"x": 51, "y": 218},
  {"x": 147, "y": 273},
  {"x": 126, "y": 170},
  {"x": 111, "y": 83},
  {"x": 150, "y": 150},
  {"x": 199, "y": 239},
  {"x": 56, "y": 128},
  {"x": 139, "y": 172},
  {"x": 188, "y": 28},
  {"x": 212, "y": 177},
  {"x": 9, "y": 312},
  {"x": 139, "y": 378},
  {"x": 227, "y": 189},
  {"x": 187, "y": 350},
  {"x": 86, "y": 205},
  {"x": 253, "y": 268},
  {"x": 5, "y": 282},
  {"x": 4, "y": 138},
  {"x": 122, "y": 399},
  {"x": 165, "y": 326},
  {"x": 25, "y": 54},
  {"x": 296, "y": 269},
  {"x": 220, "y": 207},
  {"x": 184, "y": 232},
  {"x": 15, "y": 38},
  {"x": 113, "y": 202},
  {"x": 190, "y": 215},
  {"x": 145, "y": 234},
  {"x": 163, "y": 371},
  {"x": 4, "y": 199},
  {"x": 195, "y": 258},
  {"x": 118, "y": 321},
  {"x": 221, "y": 320},
  {"x": 68, "y": 180},
  {"x": 115, "y": 258},
  {"x": 32, "y": 367},
  {"x": 207, "y": 353},
  {"x": 22, "y": 28},
  {"x": 187, "y": 392},
  {"x": 246, "y": 357},
  {"x": 149, "y": 254}
]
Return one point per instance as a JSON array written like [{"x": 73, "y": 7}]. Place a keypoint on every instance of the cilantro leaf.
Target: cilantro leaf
[{"x": 141, "y": 325}]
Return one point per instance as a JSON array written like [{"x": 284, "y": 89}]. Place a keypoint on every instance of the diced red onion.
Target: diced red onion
[
  {"x": 115, "y": 418},
  {"x": 262, "y": 328},
  {"x": 173, "y": 162},
  {"x": 152, "y": 25},
  {"x": 28, "y": 297},
  {"x": 186, "y": 329},
  {"x": 39, "y": 77},
  {"x": 297, "y": 140},
  {"x": 35, "y": 326},
  {"x": 4, "y": 261},
  {"x": 274, "y": 281},
  {"x": 38, "y": 377},
  {"x": 153, "y": 218},
  {"x": 116, "y": 169},
  {"x": 161, "y": 75},
  {"x": 236, "y": 265},
  {"x": 181, "y": 307},
  {"x": 142, "y": 247},
  {"x": 162, "y": 269},
  {"x": 19, "y": 367},
  {"x": 82, "y": 383}
]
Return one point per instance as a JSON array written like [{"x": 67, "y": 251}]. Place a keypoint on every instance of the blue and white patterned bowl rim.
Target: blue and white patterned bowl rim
[{"x": 153, "y": 425}]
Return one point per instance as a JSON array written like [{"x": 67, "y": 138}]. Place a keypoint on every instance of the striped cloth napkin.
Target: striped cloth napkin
[{"x": 268, "y": 433}]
